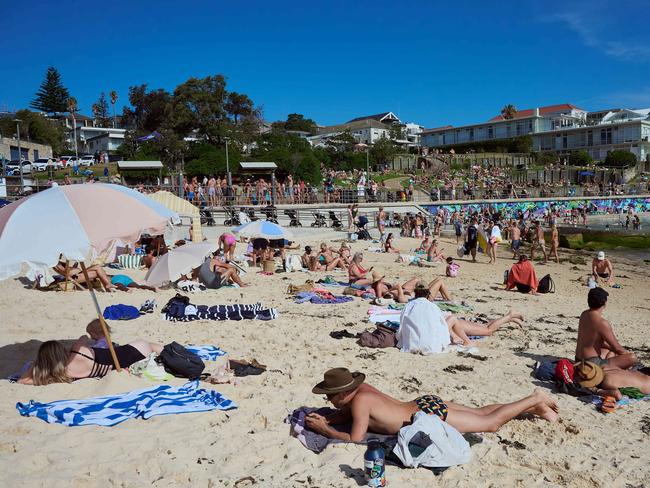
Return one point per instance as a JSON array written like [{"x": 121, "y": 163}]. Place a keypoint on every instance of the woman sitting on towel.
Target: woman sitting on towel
[
  {"x": 388, "y": 246},
  {"x": 522, "y": 276},
  {"x": 356, "y": 273},
  {"x": 344, "y": 253},
  {"x": 215, "y": 273},
  {"x": 56, "y": 364},
  {"x": 326, "y": 257}
]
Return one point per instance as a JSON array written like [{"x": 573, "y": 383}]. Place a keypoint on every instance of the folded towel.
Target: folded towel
[
  {"x": 114, "y": 409},
  {"x": 121, "y": 312}
]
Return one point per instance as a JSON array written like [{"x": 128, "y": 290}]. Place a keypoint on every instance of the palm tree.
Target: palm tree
[
  {"x": 509, "y": 111},
  {"x": 113, "y": 95}
]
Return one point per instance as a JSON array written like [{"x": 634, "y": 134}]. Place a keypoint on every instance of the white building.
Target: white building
[
  {"x": 557, "y": 128},
  {"x": 104, "y": 142}
]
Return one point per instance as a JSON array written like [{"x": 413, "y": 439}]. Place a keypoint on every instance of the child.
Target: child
[
  {"x": 452, "y": 268},
  {"x": 94, "y": 330}
]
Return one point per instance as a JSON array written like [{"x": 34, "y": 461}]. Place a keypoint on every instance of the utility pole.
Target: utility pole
[{"x": 20, "y": 155}]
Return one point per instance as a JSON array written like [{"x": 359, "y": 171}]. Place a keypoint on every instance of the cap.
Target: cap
[{"x": 601, "y": 255}]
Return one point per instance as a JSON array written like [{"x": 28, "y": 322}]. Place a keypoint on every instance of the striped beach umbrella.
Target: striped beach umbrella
[{"x": 262, "y": 229}]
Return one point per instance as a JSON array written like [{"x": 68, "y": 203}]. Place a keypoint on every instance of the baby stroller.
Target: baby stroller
[
  {"x": 231, "y": 216},
  {"x": 271, "y": 213},
  {"x": 336, "y": 222},
  {"x": 251, "y": 214},
  {"x": 293, "y": 216},
  {"x": 362, "y": 233},
  {"x": 319, "y": 220},
  {"x": 207, "y": 218}
]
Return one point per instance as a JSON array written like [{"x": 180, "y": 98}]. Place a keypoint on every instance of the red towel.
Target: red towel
[{"x": 524, "y": 274}]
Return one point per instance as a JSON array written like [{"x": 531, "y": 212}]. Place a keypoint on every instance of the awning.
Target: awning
[
  {"x": 139, "y": 165},
  {"x": 175, "y": 204},
  {"x": 258, "y": 166}
]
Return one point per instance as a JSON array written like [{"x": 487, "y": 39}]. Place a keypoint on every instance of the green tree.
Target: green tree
[
  {"x": 296, "y": 122},
  {"x": 100, "y": 110},
  {"x": 239, "y": 105},
  {"x": 545, "y": 158},
  {"x": 619, "y": 158},
  {"x": 148, "y": 110},
  {"x": 113, "y": 96},
  {"x": 383, "y": 150},
  {"x": 36, "y": 128},
  {"x": 580, "y": 158},
  {"x": 52, "y": 96},
  {"x": 291, "y": 153},
  {"x": 509, "y": 112}
]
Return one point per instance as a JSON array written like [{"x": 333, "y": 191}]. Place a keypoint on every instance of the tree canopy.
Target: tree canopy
[
  {"x": 52, "y": 96},
  {"x": 100, "y": 110},
  {"x": 619, "y": 158},
  {"x": 509, "y": 111},
  {"x": 296, "y": 122},
  {"x": 36, "y": 128}
]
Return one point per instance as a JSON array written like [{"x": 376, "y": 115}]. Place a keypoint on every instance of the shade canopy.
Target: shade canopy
[
  {"x": 262, "y": 229},
  {"x": 82, "y": 223},
  {"x": 178, "y": 262}
]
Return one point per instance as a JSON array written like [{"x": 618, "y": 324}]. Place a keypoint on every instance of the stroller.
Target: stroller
[
  {"x": 271, "y": 213},
  {"x": 319, "y": 220},
  {"x": 362, "y": 233},
  {"x": 231, "y": 216},
  {"x": 336, "y": 222},
  {"x": 293, "y": 216},
  {"x": 207, "y": 218},
  {"x": 251, "y": 214}
]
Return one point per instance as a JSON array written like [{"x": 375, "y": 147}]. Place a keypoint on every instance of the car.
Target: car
[
  {"x": 43, "y": 164},
  {"x": 87, "y": 160},
  {"x": 13, "y": 168},
  {"x": 68, "y": 161}
]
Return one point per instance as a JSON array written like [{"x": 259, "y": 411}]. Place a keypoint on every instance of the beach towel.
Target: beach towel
[
  {"x": 207, "y": 353},
  {"x": 524, "y": 274},
  {"x": 121, "y": 312},
  {"x": 130, "y": 261},
  {"x": 316, "y": 442},
  {"x": 112, "y": 410},
  {"x": 320, "y": 298},
  {"x": 187, "y": 312},
  {"x": 423, "y": 328}
]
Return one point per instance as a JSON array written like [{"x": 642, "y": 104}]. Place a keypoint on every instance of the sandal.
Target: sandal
[{"x": 609, "y": 405}]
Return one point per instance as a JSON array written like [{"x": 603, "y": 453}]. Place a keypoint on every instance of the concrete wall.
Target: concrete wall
[{"x": 9, "y": 149}]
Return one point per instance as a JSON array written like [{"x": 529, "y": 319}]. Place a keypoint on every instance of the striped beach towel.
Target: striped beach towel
[
  {"x": 114, "y": 409},
  {"x": 130, "y": 261},
  {"x": 206, "y": 353}
]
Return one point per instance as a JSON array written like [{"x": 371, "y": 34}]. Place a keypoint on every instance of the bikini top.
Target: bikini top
[{"x": 100, "y": 368}]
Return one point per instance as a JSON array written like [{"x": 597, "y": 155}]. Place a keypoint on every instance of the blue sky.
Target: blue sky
[{"x": 430, "y": 62}]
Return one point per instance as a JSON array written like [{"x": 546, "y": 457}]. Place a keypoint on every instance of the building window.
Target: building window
[
  {"x": 490, "y": 132},
  {"x": 590, "y": 138},
  {"x": 606, "y": 136},
  {"x": 564, "y": 141},
  {"x": 471, "y": 134}
]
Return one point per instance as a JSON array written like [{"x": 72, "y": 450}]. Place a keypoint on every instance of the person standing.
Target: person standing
[
  {"x": 381, "y": 224},
  {"x": 555, "y": 243},
  {"x": 515, "y": 238},
  {"x": 495, "y": 238},
  {"x": 538, "y": 240},
  {"x": 458, "y": 227},
  {"x": 471, "y": 238}
]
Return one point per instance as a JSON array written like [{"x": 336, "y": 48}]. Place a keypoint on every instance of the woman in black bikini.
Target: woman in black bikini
[{"x": 55, "y": 364}]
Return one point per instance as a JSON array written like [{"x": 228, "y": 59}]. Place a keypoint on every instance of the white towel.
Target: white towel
[{"x": 423, "y": 328}]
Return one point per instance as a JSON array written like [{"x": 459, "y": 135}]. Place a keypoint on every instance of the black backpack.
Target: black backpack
[
  {"x": 546, "y": 285},
  {"x": 180, "y": 362}
]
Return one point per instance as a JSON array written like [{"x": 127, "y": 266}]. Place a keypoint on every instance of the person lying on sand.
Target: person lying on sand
[
  {"x": 596, "y": 340},
  {"x": 460, "y": 328},
  {"x": 75, "y": 272},
  {"x": 370, "y": 410},
  {"x": 608, "y": 379},
  {"x": 405, "y": 292},
  {"x": 125, "y": 283},
  {"x": 602, "y": 269},
  {"x": 56, "y": 364}
]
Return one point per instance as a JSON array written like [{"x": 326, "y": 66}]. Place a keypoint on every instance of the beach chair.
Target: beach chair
[{"x": 65, "y": 282}]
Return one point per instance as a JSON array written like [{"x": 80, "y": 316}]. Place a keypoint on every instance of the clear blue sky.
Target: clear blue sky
[{"x": 430, "y": 62}]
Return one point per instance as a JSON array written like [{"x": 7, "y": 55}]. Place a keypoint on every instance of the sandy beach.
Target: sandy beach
[{"x": 251, "y": 445}]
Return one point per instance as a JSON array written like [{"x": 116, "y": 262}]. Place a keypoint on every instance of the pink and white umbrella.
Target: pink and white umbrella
[{"x": 80, "y": 222}]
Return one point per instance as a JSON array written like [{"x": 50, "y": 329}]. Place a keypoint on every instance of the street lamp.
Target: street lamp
[
  {"x": 20, "y": 159},
  {"x": 228, "y": 164}
]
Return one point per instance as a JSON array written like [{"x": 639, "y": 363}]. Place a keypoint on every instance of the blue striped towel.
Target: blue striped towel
[
  {"x": 206, "y": 353},
  {"x": 112, "y": 410}
]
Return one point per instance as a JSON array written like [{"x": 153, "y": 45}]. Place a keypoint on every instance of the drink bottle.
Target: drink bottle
[{"x": 374, "y": 464}]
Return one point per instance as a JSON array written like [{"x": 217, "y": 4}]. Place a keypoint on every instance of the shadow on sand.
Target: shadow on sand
[{"x": 14, "y": 356}]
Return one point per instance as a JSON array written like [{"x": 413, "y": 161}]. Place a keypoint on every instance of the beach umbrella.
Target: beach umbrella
[
  {"x": 83, "y": 223},
  {"x": 178, "y": 262},
  {"x": 262, "y": 229}
]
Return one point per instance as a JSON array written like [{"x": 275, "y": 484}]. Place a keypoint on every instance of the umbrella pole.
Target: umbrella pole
[{"x": 102, "y": 322}]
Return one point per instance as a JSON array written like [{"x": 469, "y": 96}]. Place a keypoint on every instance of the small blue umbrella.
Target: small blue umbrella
[{"x": 262, "y": 229}]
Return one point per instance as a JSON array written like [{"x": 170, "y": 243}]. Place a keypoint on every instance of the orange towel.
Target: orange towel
[{"x": 524, "y": 274}]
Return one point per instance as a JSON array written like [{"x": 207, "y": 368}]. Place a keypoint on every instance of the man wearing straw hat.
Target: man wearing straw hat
[{"x": 370, "y": 410}]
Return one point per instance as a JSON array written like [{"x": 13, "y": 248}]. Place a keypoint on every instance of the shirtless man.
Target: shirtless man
[
  {"x": 602, "y": 269},
  {"x": 538, "y": 240},
  {"x": 370, "y": 410},
  {"x": 555, "y": 243},
  {"x": 515, "y": 239},
  {"x": 596, "y": 340}
]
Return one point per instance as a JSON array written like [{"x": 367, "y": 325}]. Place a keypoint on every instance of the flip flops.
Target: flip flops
[
  {"x": 148, "y": 307},
  {"x": 609, "y": 405}
]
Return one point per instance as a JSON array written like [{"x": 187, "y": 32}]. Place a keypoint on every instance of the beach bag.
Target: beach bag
[
  {"x": 268, "y": 267},
  {"x": 307, "y": 286},
  {"x": 180, "y": 362},
  {"x": 293, "y": 263},
  {"x": 546, "y": 285},
  {"x": 176, "y": 305},
  {"x": 452, "y": 270},
  {"x": 381, "y": 337},
  {"x": 461, "y": 251}
]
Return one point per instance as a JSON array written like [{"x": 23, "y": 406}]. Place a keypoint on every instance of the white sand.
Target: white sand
[{"x": 585, "y": 448}]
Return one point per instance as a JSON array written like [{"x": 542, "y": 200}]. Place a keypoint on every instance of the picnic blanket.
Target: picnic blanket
[
  {"x": 114, "y": 409},
  {"x": 319, "y": 297}
]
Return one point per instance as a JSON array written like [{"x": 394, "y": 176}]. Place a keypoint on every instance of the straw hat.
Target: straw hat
[
  {"x": 588, "y": 374},
  {"x": 376, "y": 276},
  {"x": 338, "y": 380}
]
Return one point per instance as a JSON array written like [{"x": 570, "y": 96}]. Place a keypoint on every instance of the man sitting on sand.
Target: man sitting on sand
[
  {"x": 602, "y": 269},
  {"x": 370, "y": 410},
  {"x": 596, "y": 340},
  {"x": 403, "y": 293}
]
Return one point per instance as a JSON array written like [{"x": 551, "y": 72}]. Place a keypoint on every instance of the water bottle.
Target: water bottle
[
  {"x": 374, "y": 463},
  {"x": 591, "y": 282}
]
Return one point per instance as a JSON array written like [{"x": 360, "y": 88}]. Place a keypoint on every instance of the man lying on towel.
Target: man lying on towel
[{"x": 370, "y": 410}]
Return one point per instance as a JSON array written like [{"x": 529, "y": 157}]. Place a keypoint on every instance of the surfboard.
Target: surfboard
[{"x": 482, "y": 240}]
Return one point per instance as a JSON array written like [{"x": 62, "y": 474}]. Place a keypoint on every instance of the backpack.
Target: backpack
[
  {"x": 180, "y": 362},
  {"x": 546, "y": 285}
]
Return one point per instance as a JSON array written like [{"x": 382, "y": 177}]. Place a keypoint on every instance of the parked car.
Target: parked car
[
  {"x": 87, "y": 160},
  {"x": 43, "y": 164},
  {"x": 68, "y": 161},
  {"x": 13, "y": 168}
]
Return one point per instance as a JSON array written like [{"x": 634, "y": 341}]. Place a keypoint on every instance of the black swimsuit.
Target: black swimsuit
[{"x": 103, "y": 362}]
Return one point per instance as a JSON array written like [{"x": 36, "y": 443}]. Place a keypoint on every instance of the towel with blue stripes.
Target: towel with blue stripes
[
  {"x": 207, "y": 353},
  {"x": 112, "y": 410}
]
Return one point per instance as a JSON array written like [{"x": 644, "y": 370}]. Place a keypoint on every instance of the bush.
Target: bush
[
  {"x": 545, "y": 158},
  {"x": 580, "y": 158},
  {"x": 619, "y": 158}
]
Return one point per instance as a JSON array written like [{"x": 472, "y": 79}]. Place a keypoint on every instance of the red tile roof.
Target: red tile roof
[{"x": 542, "y": 111}]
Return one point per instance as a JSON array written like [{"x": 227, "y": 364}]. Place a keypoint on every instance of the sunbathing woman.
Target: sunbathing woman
[
  {"x": 75, "y": 272},
  {"x": 356, "y": 273},
  {"x": 326, "y": 258},
  {"x": 433, "y": 253},
  {"x": 388, "y": 246},
  {"x": 405, "y": 292},
  {"x": 56, "y": 364},
  {"x": 426, "y": 243},
  {"x": 460, "y": 328},
  {"x": 125, "y": 283},
  {"x": 344, "y": 253},
  {"x": 314, "y": 262}
]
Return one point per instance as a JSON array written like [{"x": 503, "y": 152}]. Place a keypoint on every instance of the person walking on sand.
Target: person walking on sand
[
  {"x": 555, "y": 243},
  {"x": 515, "y": 238},
  {"x": 538, "y": 240},
  {"x": 371, "y": 410}
]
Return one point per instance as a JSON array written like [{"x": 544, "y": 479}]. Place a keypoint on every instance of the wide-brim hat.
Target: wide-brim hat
[
  {"x": 588, "y": 374},
  {"x": 338, "y": 380},
  {"x": 377, "y": 277}
]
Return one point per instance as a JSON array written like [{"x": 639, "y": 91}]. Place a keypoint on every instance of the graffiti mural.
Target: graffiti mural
[{"x": 537, "y": 207}]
